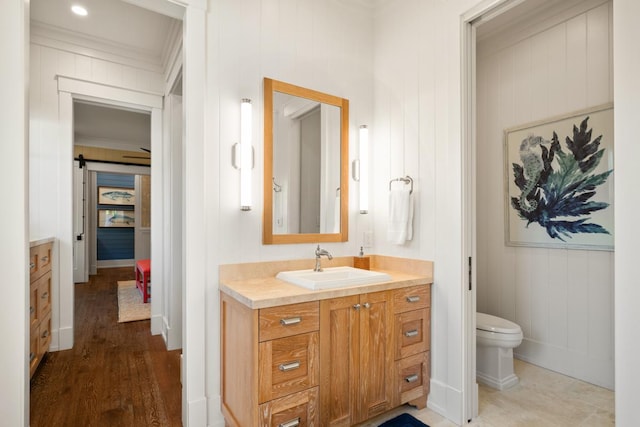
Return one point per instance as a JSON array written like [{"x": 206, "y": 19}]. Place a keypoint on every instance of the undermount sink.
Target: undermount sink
[{"x": 332, "y": 277}]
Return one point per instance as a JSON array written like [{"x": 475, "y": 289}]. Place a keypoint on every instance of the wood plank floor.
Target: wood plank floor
[{"x": 117, "y": 374}]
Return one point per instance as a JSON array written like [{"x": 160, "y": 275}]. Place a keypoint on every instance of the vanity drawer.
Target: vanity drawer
[
  {"x": 296, "y": 410},
  {"x": 44, "y": 335},
  {"x": 288, "y": 320},
  {"x": 33, "y": 262},
  {"x": 413, "y": 298},
  {"x": 34, "y": 303},
  {"x": 412, "y": 376},
  {"x": 44, "y": 257},
  {"x": 412, "y": 332},
  {"x": 33, "y": 350},
  {"x": 44, "y": 295},
  {"x": 287, "y": 365}
]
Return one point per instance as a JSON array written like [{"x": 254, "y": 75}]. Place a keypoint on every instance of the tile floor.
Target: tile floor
[{"x": 541, "y": 398}]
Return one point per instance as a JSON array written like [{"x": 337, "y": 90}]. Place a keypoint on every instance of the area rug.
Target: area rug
[
  {"x": 130, "y": 305},
  {"x": 403, "y": 420}
]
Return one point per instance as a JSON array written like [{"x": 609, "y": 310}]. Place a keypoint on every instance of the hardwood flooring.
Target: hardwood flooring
[{"x": 117, "y": 374}]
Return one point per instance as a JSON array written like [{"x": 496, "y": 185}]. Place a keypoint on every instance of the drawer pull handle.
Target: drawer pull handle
[
  {"x": 285, "y": 367},
  {"x": 292, "y": 423},
  {"x": 290, "y": 321},
  {"x": 45, "y": 334},
  {"x": 45, "y": 258},
  {"x": 45, "y": 295},
  {"x": 413, "y": 298},
  {"x": 410, "y": 334},
  {"x": 32, "y": 265},
  {"x": 31, "y": 356},
  {"x": 411, "y": 378}
]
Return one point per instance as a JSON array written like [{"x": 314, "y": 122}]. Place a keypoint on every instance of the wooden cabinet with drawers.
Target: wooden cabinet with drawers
[
  {"x": 334, "y": 362},
  {"x": 270, "y": 360},
  {"x": 40, "y": 302}
]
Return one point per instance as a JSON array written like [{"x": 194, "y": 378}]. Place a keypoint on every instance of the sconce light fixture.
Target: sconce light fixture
[
  {"x": 246, "y": 155},
  {"x": 364, "y": 169}
]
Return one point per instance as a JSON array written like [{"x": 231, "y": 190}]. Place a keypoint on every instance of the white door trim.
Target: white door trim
[
  {"x": 70, "y": 89},
  {"x": 481, "y": 13}
]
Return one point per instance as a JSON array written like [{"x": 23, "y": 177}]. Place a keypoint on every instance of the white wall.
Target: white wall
[
  {"x": 51, "y": 161},
  {"x": 562, "y": 299},
  {"x": 626, "y": 65}
]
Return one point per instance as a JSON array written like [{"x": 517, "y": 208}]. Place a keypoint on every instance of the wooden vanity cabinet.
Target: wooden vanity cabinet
[
  {"x": 39, "y": 303},
  {"x": 334, "y": 362}
]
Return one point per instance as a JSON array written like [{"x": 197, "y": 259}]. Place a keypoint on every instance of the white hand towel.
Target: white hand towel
[{"x": 400, "y": 227}]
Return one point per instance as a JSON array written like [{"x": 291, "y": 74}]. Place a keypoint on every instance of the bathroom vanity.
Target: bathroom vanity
[
  {"x": 334, "y": 357},
  {"x": 40, "y": 261}
]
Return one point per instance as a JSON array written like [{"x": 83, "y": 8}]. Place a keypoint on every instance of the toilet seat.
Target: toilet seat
[{"x": 489, "y": 323}]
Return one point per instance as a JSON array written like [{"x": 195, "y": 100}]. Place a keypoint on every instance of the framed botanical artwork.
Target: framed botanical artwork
[
  {"x": 116, "y": 196},
  {"x": 116, "y": 218},
  {"x": 559, "y": 181}
]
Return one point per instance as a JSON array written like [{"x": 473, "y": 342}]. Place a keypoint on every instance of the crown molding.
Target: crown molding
[{"x": 74, "y": 42}]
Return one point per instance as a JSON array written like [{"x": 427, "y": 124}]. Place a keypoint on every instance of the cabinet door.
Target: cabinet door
[
  {"x": 376, "y": 355},
  {"x": 339, "y": 354}
]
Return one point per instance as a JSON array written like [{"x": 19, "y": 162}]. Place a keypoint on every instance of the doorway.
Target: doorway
[{"x": 516, "y": 57}]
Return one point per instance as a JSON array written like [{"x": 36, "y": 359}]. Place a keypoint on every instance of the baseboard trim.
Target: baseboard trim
[
  {"x": 196, "y": 412},
  {"x": 567, "y": 362},
  {"x": 446, "y": 401},
  {"x": 215, "y": 414},
  {"x": 65, "y": 339},
  {"x": 156, "y": 324},
  {"x": 115, "y": 263}
]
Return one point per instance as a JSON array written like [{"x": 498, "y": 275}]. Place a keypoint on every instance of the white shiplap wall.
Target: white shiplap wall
[
  {"x": 322, "y": 45},
  {"x": 562, "y": 299}
]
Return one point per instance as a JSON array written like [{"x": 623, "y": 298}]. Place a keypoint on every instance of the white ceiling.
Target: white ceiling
[
  {"x": 113, "y": 22},
  {"x": 118, "y": 27}
]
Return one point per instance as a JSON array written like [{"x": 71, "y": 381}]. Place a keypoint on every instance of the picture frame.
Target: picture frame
[
  {"x": 116, "y": 218},
  {"x": 558, "y": 179},
  {"x": 116, "y": 196}
]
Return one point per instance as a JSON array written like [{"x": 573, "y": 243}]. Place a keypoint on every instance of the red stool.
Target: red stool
[{"x": 143, "y": 277}]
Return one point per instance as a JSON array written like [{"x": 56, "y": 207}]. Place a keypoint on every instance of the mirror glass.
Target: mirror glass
[{"x": 306, "y": 165}]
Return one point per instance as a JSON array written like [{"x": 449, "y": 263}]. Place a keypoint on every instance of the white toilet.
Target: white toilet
[{"x": 495, "y": 340}]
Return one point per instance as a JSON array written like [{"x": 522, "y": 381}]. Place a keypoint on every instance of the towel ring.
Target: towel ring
[{"x": 406, "y": 179}]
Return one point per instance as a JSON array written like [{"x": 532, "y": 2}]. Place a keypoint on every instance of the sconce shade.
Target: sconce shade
[
  {"x": 246, "y": 160},
  {"x": 364, "y": 169}
]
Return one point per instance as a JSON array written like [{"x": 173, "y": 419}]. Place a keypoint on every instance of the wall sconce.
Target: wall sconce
[
  {"x": 364, "y": 168},
  {"x": 246, "y": 155}
]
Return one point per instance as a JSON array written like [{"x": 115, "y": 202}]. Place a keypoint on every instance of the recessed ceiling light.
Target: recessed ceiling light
[{"x": 79, "y": 10}]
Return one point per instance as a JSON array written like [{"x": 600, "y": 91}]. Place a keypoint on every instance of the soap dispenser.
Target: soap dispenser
[{"x": 361, "y": 261}]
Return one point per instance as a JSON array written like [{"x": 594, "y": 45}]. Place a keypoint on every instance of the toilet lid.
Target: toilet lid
[{"x": 487, "y": 322}]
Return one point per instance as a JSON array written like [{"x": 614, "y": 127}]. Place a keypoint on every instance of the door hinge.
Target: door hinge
[{"x": 470, "y": 274}]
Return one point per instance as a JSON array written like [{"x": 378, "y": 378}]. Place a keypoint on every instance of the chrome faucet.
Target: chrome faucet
[{"x": 319, "y": 253}]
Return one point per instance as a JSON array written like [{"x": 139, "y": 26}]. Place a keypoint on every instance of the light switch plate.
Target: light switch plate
[{"x": 367, "y": 239}]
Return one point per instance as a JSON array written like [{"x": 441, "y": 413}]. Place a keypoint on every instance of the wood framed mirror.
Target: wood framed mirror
[{"x": 306, "y": 165}]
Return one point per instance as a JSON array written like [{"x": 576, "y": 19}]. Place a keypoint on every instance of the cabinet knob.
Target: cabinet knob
[
  {"x": 32, "y": 265},
  {"x": 45, "y": 334},
  {"x": 356, "y": 306},
  {"x": 367, "y": 305},
  {"x": 31, "y": 356},
  {"x": 411, "y": 378},
  {"x": 31, "y": 310},
  {"x": 292, "y": 423},
  {"x": 290, "y": 321},
  {"x": 413, "y": 298},
  {"x": 45, "y": 258},
  {"x": 289, "y": 366}
]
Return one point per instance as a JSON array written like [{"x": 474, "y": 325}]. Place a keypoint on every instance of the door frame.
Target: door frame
[{"x": 481, "y": 13}]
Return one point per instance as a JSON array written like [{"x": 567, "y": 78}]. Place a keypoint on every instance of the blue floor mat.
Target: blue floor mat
[{"x": 404, "y": 420}]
